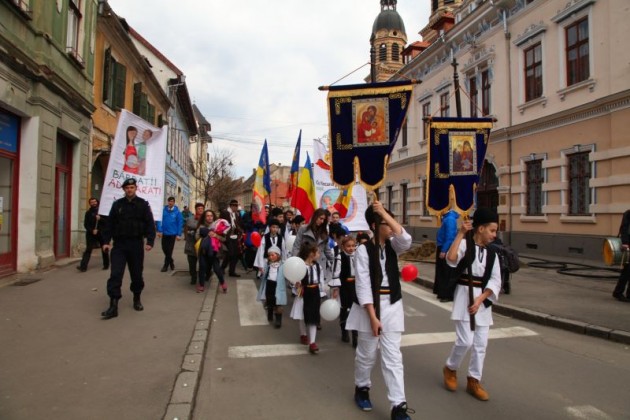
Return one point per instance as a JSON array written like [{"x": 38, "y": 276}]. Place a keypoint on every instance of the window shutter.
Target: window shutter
[
  {"x": 120, "y": 76},
  {"x": 137, "y": 98},
  {"x": 107, "y": 76},
  {"x": 151, "y": 114}
]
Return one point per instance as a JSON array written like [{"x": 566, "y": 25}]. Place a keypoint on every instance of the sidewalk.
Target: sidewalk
[
  {"x": 544, "y": 296},
  {"x": 60, "y": 360}
]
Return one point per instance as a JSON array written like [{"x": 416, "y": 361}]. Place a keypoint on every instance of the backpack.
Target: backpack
[{"x": 508, "y": 257}]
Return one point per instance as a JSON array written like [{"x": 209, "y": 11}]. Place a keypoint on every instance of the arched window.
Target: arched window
[
  {"x": 382, "y": 52},
  {"x": 395, "y": 52}
]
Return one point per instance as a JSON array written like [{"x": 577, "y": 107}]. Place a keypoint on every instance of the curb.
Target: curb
[
  {"x": 553, "y": 321},
  {"x": 186, "y": 385}
]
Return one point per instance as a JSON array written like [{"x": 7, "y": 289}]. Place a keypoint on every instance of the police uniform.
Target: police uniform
[{"x": 129, "y": 222}]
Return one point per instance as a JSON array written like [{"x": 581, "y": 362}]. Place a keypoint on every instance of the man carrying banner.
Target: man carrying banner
[{"x": 130, "y": 221}]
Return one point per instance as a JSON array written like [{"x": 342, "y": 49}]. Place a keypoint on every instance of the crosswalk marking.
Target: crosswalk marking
[
  {"x": 412, "y": 312},
  {"x": 587, "y": 412},
  {"x": 250, "y": 312},
  {"x": 273, "y": 350},
  {"x": 245, "y": 352},
  {"x": 426, "y": 296}
]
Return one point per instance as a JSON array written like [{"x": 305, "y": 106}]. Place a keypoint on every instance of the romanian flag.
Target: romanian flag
[
  {"x": 304, "y": 198},
  {"x": 262, "y": 187},
  {"x": 343, "y": 202},
  {"x": 295, "y": 167}
]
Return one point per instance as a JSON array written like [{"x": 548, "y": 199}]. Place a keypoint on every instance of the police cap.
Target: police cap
[{"x": 129, "y": 181}]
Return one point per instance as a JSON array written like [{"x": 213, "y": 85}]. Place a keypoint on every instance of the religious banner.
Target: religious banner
[
  {"x": 138, "y": 151},
  {"x": 328, "y": 194},
  {"x": 457, "y": 149},
  {"x": 365, "y": 121}
]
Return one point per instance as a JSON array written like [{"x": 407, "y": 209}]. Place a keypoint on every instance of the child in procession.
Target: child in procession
[
  {"x": 347, "y": 292},
  {"x": 485, "y": 279},
  {"x": 378, "y": 313},
  {"x": 306, "y": 304},
  {"x": 273, "y": 286},
  {"x": 269, "y": 239}
]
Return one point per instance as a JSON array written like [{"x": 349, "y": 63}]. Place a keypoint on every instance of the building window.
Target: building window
[
  {"x": 395, "y": 52},
  {"x": 533, "y": 72},
  {"x": 114, "y": 78},
  {"x": 579, "y": 176},
  {"x": 74, "y": 20},
  {"x": 405, "y": 204},
  {"x": 390, "y": 196},
  {"x": 426, "y": 113},
  {"x": 141, "y": 105},
  {"x": 382, "y": 52},
  {"x": 577, "y": 55},
  {"x": 474, "y": 94},
  {"x": 444, "y": 105},
  {"x": 534, "y": 174},
  {"x": 485, "y": 92}
]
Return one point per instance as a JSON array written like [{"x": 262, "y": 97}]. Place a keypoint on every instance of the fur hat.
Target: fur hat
[
  {"x": 274, "y": 249},
  {"x": 483, "y": 216}
]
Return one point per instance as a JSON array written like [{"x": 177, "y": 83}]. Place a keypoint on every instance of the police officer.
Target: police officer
[{"x": 130, "y": 221}]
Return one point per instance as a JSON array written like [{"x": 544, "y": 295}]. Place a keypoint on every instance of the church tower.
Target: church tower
[{"x": 388, "y": 41}]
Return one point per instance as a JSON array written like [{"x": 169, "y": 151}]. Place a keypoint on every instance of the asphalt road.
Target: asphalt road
[{"x": 252, "y": 370}]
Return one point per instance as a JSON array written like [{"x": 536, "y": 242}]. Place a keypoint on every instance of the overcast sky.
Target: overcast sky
[{"x": 253, "y": 66}]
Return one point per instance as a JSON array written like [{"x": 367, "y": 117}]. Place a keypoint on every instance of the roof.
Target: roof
[
  {"x": 390, "y": 20},
  {"x": 155, "y": 51}
]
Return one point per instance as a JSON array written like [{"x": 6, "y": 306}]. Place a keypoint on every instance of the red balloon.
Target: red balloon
[
  {"x": 256, "y": 239},
  {"x": 409, "y": 272}
]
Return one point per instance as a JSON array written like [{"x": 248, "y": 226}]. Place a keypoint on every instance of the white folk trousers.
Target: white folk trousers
[
  {"x": 391, "y": 363},
  {"x": 476, "y": 340}
]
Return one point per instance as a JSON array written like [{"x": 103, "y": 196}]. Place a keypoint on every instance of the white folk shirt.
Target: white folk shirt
[
  {"x": 483, "y": 317},
  {"x": 392, "y": 316}
]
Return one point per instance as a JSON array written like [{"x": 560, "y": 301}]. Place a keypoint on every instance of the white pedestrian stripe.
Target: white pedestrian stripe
[
  {"x": 429, "y": 297},
  {"x": 271, "y": 350},
  {"x": 587, "y": 412},
  {"x": 449, "y": 337},
  {"x": 411, "y": 312},
  {"x": 244, "y": 352},
  {"x": 250, "y": 312}
]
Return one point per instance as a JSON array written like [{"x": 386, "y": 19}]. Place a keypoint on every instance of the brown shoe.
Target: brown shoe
[
  {"x": 475, "y": 389},
  {"x": 450, "y": 379}
]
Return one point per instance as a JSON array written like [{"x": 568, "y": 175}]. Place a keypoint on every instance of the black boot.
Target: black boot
[
  {"x": 164, "y": 268},
  {"x": 278, "y": 323},
  {"x": 345, "y": 337},
  {"x": 112, "y": 311},
  {"x": 270, "y": 313},
  {"x": 137, "y": 304}
]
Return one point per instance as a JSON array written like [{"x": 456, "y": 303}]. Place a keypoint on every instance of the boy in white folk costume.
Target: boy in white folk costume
[
  {"x": 486, "y": 285},
  {"x": 378, "y": 313}
]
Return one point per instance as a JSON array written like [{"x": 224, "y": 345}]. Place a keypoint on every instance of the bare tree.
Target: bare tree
[{"x": 217, "y": 185}]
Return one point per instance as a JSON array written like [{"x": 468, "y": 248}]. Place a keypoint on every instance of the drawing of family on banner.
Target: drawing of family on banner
[
  {"x": 327, "y": 193},
  {"x": 139, "y": 151}
]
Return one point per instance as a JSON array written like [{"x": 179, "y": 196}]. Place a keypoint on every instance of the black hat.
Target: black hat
[
  {"x": 129, "y": 181},
  {"x": 484, "y": 216}
]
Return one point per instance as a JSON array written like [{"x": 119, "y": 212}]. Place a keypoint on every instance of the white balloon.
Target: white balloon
[
  {"x": 290, "y": 242},
  {"x": 329, "y": 310},
  {"x": 294, "y": 269}
]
